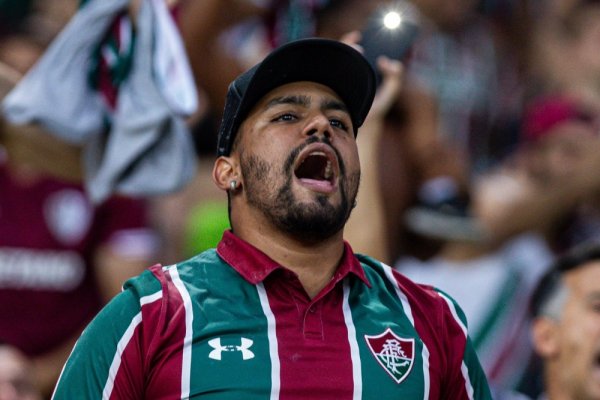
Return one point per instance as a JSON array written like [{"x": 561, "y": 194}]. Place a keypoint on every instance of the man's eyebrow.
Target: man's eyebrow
[
  {"x": 332, "y": 104},
  {"x": 305, "y": 101},
  {"x": 292, "y": 100}
]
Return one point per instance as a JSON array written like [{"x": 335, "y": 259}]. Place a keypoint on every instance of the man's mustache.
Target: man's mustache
[{"x": 289, "y": 162}]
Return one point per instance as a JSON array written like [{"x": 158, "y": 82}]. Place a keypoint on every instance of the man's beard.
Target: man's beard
[{"x": 310, "y": 221}]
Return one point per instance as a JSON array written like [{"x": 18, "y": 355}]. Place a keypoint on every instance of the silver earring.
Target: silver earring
[{"x": 233, "y": 185}]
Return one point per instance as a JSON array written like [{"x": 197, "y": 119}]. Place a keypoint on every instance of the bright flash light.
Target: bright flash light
[{"x": 392, "y": 20}]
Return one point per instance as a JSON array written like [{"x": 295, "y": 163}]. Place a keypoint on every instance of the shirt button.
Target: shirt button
[{"x": 311, "y": 310}]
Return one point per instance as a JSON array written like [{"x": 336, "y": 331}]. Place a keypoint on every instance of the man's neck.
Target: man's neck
[{"x": 314, "y": 263}]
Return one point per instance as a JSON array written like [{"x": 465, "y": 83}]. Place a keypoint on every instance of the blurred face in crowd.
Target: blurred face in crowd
[
  {"x": 15, "y": 378},
  {"x": 557, "y": 153},
  {"x": 299, "y": 160},
  {"x": 570, "y": 345}
]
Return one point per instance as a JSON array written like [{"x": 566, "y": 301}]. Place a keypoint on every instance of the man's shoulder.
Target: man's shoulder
[
  {"x": 435, "y": 312},
  {"x": 375, "y": 268},
  {"x": 192, "y": 270},
  {"x": 422, "y": 298}
]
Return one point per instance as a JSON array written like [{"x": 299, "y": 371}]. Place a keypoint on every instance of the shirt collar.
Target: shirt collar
[{"x": 255, "y": 266}]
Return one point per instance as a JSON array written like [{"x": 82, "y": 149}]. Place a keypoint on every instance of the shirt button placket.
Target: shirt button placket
[{"x": 313, "y": 323}]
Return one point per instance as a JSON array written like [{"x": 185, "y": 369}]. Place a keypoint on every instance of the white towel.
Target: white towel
[{"x": 148, "y": 148}]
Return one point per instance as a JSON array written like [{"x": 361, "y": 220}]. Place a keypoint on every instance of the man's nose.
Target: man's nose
[{"x": 319, "y": 125}]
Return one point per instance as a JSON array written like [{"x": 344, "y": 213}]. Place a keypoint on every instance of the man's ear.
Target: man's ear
[
  {"x": 226, "y": 171},
  {"x": 545, "y": 336}
]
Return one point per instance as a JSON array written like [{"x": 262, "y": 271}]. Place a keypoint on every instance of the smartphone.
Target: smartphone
[{"x": 390, "y": 31}]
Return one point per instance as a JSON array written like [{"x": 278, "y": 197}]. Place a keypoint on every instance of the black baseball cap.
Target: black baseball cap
[{"x": 328, "y": 62}]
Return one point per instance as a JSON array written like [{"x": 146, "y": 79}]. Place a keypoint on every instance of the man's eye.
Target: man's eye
[
  {"x": 285, "y": 117},
  {"x": 336, "y": 123}
]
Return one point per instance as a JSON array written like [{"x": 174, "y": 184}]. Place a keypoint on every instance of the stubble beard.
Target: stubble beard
[{"x": 308, "y": 222}]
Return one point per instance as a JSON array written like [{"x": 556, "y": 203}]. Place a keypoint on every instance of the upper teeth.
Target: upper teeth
[
  {"x": 328, "y": 170},
  {"x": 328, "y": 174}
]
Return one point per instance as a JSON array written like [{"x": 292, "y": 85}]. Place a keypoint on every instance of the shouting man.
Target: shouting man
[{"x": 282, "y": 308}]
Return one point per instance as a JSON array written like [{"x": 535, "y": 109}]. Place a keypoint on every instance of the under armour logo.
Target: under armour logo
[{"x": 219, "y": 349}]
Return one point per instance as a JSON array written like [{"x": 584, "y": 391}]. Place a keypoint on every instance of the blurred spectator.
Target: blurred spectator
[
  {"x": 232, "y": 36},
  {"x": 459, "y": 97},
  {"x": 564, "y": 56},
  {"x": 16, "y": 380},
  {"x": 526, "y": 208},
  {"x": 493, "y": 279},
  {"x": 492, "y": 282},
  {"x": 550, "y": 186},
  {"x": 61, "y": 258},
  {"x": 566, "y": 325}
]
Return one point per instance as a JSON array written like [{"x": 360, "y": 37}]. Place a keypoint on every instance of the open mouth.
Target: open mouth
[{"x": 317, "y": 167}]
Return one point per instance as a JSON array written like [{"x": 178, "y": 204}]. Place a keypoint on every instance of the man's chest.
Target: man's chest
[{"x": 275, "y": 344}]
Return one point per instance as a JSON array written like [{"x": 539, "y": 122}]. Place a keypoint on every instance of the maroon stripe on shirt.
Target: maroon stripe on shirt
[
  {"x": 424, "y": 304},
  {"x": 129, "y": 383},
  {"x": 314, "y": 352},
  {"x": 456, "y": 349},
  {"x": 164, "y": 344}
]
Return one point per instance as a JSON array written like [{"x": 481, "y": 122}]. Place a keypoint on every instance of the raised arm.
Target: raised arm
[{"x": 366, "y": 229}]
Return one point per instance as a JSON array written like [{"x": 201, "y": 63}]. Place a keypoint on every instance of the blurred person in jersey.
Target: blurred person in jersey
[
  {"x": 566, "y": 325},
  {"x": 282, "y": 308},
  {"x": 61, "y": 257}
]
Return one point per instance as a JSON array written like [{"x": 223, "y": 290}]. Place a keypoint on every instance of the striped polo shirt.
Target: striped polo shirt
[{"x": 231, "y": 323}]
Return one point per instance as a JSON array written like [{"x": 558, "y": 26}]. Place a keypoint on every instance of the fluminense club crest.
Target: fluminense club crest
[{"x": 395, "y": 354}]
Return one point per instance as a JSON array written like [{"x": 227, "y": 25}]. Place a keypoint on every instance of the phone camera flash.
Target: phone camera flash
[{"x": 392, "y": 20}]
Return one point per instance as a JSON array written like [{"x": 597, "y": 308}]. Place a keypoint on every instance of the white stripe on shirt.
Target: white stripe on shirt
[
  {"x": 186, "y": 365},
  {"x": 123, "y": 342},
  {"x": 272, "y": 335},
  {"x": 151, "y": 298},
  {"x": 403, "y": 299},
  {"x": 426, "y": 382},
  {"x": 354, "y": 351},
  {"x": 116, "y": 362},
  {"x": 454, "y": 313},
  {"x": 408, "y": 311}
]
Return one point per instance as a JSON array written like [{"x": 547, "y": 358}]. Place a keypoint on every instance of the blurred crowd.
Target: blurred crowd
[{"x": 484, "y": 170}]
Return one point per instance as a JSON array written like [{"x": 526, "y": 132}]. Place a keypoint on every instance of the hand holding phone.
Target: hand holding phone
[{"x": 390, "y": 31}]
